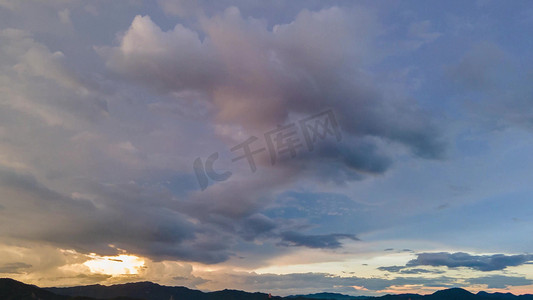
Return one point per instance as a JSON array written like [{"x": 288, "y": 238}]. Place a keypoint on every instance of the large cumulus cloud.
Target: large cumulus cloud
[
  {"x": 252, "y": 77},
  {"x": 91, "y": 157},
  {"x": 257, "y": 77}
]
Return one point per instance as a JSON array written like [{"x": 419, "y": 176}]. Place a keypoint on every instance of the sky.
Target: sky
[{"x": 288, "y": 147}]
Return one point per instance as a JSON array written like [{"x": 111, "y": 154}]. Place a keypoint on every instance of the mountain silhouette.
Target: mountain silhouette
[
  {"x": 14, "y": 290},
  {"x": 153, "y": 291},
  {"x": 328, "y": 296}
]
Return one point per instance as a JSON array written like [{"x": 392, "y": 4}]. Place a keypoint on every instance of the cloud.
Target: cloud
[
  {"x": 182, "y": 8},
  {"x": 257, "y": 78},
  {"x": 120, "y": 215},
  {"x": 500, "y": 281},
  {"x": 495, "y": 85},
  {"x": 420, "y": 33},
  {"x": 257, "y": 225},
  {"x": 175, "y": 60},
  {"x": 404, "y": 270},
  {"x": 97, "y": 152},
  {"x": 330, "y": 241},
  {"x": 64, "y": 16},
  {"x": 480, "y": 67},
  {"x": 393, "y": 269},
  {"x": 303, "y": 283},
  {"x": 14, "y": 268},
  {"x": 234, "y": 208},
  {"x": 478, "y": 262},
  {"x": 40, "y": 83}
]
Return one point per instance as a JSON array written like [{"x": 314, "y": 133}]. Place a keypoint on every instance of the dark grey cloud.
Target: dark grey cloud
[
  {"x": 257, "y": 225},
  {"x": 477, "y": 262},
  {"x": 405, "y": 270},
  {"x": 500, "y": 281},
  {"x": 122, "y": 215},
  {"x": 393, "y": 269},
  {"x": 421, "y": 271},
  {"x": 331, "y": 241},
  {"x": 148, "y": 222},
  {"x": 14, "y": 268},
  {"x": 352, "y": 159}
]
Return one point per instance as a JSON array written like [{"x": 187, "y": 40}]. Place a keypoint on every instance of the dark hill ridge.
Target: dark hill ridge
[
  {"x": 329, "y": 296},
  {"x": 142, "y": 290},
  {"x": 456, "y": 294},
  {"x": 14, "y": 290},
  {"x": 153, "y": 291}
]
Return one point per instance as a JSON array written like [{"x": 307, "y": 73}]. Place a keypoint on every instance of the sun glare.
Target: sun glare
[{"x": 115, "y": 265}]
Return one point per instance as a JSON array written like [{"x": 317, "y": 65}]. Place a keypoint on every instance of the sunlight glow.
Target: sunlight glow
[{"x": 115, "y": 265}]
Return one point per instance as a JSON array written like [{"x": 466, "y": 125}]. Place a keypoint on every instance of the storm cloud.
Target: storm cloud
[
  {"x": 331, "y": 241},
  {"x": 477, "y": 262}
]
